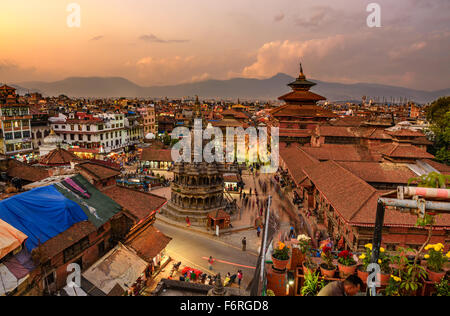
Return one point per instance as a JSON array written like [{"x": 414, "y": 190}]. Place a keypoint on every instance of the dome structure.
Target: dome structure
[
  {"x": 51, "y": 142},
  {"x": 52, "y": 138}
]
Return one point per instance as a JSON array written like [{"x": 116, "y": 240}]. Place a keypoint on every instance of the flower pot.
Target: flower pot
[
  {"x": 326, "y": 272},
  {"x": 309, "y": 269},
  {"x": 345, "y": 271},
  {"x": 363, "y": 275},
  {"x": 279, "y": 264},
  {"x": 384, "y": 279},
  {"x": 435, "y": 277}
]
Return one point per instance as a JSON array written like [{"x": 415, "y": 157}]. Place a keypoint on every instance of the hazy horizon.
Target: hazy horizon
[{"x": 156, "y": 42}]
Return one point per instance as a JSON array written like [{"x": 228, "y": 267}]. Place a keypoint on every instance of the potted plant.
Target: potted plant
[
  {"x": 411, "y": 279},
  {"x": 393, "y": 286},
  {"x": 384, "y": 261},
  {"x": 308, "y": 265},
  {"x": 280, "y": 256},
  {"x": 300, "y": 250},
  {"x": 312, "y": 284},
  {"x": 365, "y": 262},
  {"x": 410, "y": 275},
  {"x": 435, "y": 262},
  {"x": 443, "y": 288},
  {"x": 346, "y": 264},
  {"x": 327, "y": 268}
]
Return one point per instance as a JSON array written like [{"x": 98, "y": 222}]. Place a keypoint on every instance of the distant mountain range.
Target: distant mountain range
[{"x": 264, "y": 89}]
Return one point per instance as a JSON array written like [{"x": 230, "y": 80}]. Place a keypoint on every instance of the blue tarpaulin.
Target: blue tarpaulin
[{"x": 41, "y": 214}]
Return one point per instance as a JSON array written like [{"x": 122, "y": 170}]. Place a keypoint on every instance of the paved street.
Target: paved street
[{"x": 194, "y": 249}]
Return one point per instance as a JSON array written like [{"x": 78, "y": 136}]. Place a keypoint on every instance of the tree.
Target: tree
[
  {"x": 166, "y": 139},
  {"x": 438, "y": 115}
]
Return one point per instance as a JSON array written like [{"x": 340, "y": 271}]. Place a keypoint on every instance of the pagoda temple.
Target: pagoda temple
[
  {"x": 197, "y": 188},
  {"x": 301, "y": 114}
]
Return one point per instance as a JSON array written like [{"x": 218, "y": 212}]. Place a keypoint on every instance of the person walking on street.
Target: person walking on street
[
  {"x": 210, "y": 261},
  {"x": 239, "y": 275},
  {"x": 258, "y": 231},
  {"x": 244, "y": 244}
]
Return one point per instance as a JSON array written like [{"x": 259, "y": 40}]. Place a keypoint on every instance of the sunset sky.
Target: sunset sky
[{"x": 158, "y": 42}]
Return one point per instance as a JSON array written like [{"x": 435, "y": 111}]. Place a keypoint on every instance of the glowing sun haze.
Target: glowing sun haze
[{"x": 155, "y": 42}]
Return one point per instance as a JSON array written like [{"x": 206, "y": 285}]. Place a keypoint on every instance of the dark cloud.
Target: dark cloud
[
  {"x": 151, "y": 38},
  {"x": 317, "y": 19},
  {"x": 97, "y": 38},
  {"x": 279, "y": 17}
]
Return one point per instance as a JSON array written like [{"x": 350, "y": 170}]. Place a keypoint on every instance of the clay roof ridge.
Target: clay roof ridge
[
  {"x": 358, "y": 178},
  {"x": 394, "y": 148},
  {"x": 311, "y": 158},
  {"x": 362, "y": 205}
]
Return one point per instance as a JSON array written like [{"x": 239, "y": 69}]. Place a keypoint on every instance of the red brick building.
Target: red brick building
[{"x": 346, "y": 205}]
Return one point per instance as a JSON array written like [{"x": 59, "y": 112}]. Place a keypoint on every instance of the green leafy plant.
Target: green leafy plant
[
  {"x": 409, "y": 274},
  {"x": 270, "y": 293},
  {"x": 411, "y": 280},
  {"x": 438, "y": 114},
  {"x": 327, "y": 257},
  {"x": 312, "y": 284},
  {"x": 393, "y": 288},
  {"x": 443, "y": 288},
  {"x": 431, "y": 180}
]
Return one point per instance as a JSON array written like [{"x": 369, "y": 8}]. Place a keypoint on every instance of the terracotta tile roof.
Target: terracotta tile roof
[
  {"x": 149, "y": 243},
  {"x": 97, "y": 170},
  {"x": 139, "y": 204},
  {"x": 396, "y": 150},
  {"x": 338, "y": 131},
  {"x": 375, "y": 133},
  {"x": 289, "y": 132},
  {"x": 348, "y": 121},
  {"x": 291, "y": 110},
  {"x": 228, "y": 123},
  {"x": 6, "y": 87},
  {"x": 299, "y": 95},
  {"x": 296, "y": 159},
  {"x": 231, "y": 178},
  {"x": 339, "y": 186},
  {"x": 234, "y": 113},
  {"x": 342, "y": 153},
  {"x": 152, "y": 154},
  {"x": 379, "y": 172},
  {"x": 421, "y": 141},
  {"x": 59, "y": 157},
  {"x": 219, "y": 214},
  {"x": 94, "y": 120},
  {"x": 71, "y": 236},
  {"x": 17, "y": 169}
]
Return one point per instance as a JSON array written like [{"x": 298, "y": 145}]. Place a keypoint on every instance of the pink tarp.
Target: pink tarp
[{"x": 10, "y": 238}]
